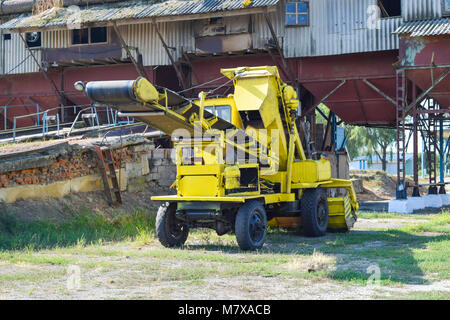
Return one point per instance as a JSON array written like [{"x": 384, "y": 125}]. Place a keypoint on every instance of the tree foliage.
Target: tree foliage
[{"x": 365, "y": 141}]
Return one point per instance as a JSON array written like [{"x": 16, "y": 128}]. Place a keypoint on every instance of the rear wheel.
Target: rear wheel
[
  {"x": 314, "y": 212},
  {"x": 251, "y": 226},
  {"x": 168, "y": 228}
]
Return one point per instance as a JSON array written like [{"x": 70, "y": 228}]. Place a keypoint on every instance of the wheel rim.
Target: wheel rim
[
  {"x": 321, "y": 214},
  {"x": 257, "y": 227}
]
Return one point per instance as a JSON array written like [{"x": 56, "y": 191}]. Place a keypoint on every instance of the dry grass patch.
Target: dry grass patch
[
  {"x": 315, "y": 262},
  {"x": 43, "y": 5}
]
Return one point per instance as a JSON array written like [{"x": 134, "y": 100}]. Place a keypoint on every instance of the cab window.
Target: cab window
[{"x": 223, "y": 111}]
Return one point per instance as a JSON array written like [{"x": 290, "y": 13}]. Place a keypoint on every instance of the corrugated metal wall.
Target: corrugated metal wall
[
  {"x": 338, "y": 27},
  {"x": 17, "y": 59},
  {"x": 56, "y": 39},
  {"x": 143, "y": 36},
  {"x": 261, "y": 32},
  {"x": 421, "y": 9}
]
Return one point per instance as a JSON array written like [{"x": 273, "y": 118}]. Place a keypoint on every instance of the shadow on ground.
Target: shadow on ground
[
  {"x": 359, "y": 254},
  {"x": 393, "y": 251}
]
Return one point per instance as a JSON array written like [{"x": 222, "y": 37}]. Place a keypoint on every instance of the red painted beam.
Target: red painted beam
[{"x": 427, "y": 52}]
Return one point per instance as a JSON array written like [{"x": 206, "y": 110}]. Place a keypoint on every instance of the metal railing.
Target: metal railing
[
  {"x": 5, "y": 113},
  {"x": 45, "y": 120},
  {"x": 93, "y": 111}
]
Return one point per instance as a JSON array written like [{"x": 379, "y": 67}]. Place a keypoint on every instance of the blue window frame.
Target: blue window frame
[{"x": 297, "y": 13}]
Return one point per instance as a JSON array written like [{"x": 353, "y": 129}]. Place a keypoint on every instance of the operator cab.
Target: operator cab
[
  {"x": 223, "y": 108},
  {"x": 223, "y": 112}
]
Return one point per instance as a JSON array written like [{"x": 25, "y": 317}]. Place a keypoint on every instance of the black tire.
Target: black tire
[
  {"x": 169, "y": 232},
  {"x": 251, "y": 226},
  {"x": 314, "y": 212}
]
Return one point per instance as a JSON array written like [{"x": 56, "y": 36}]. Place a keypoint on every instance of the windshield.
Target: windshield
[{"x": 223, "y": 111}]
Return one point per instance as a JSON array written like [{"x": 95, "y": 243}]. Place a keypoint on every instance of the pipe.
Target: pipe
[
  {"x": 114, "y": 92},
  {"x": 20, "y": 6}
]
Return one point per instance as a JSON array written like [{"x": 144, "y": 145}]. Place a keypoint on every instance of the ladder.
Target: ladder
[
  {"x": 431, "y": 142},
  {"x": 108, "y": 173},
  {"x": 401, "y": 101}
]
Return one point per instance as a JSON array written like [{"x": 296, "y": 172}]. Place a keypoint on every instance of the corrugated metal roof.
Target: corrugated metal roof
[
  {"x": 126, "y": 10},
  {"x": 435, "y": 27}
]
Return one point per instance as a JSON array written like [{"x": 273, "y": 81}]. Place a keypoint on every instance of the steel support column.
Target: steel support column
[
  {"x": 431, "y": 145},
  {"x": 441, "y": 157},
  {"x": 401, "y": 101},
  {"x": 416, "y": 190}
]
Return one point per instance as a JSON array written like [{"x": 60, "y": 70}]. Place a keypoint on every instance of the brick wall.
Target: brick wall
[
  {"x": 70, "y": 166},
  {"x": 139, "y": 166}
]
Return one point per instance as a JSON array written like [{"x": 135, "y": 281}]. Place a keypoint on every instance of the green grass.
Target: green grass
[
  {"x": 391, "y": 215},
  {"x": 436, "y": 223},
  {"x": 82, "y": 230},
  {"x": 34, "y": 277},
  {"x": 416, "y": 253},
  {"x": 420, "y": 295}
]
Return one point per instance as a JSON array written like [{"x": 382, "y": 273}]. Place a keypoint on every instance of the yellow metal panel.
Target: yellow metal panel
[
  {"x": 175, "y": 198},
  {"x": 245, "y": 71},
  {"x": 336, "y": 208},
  {"x": 257, "y": 90},
  {"x": 337, "y": 222},
  {"x": 211, "y": 169},
  {"x": 232, "y": 175},
  {"x": 279, "y": 197},
  {"x": 312, "y": 185},
  {"x": 145, "y": 91},
  {"x": 198, "y": 186},
  {"x": 269, "y": 198},
  {"x": 348, "y": 185},
  {"x": 309, "y": 171}
]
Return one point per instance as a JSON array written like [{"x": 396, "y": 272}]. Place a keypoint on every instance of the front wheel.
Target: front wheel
[
  {"x": 168, "y": 229},
  {"x": 251, "y": 226}
]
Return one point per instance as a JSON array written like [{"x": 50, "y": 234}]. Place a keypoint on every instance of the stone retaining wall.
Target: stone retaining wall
[{"x": 66, "y": 168}]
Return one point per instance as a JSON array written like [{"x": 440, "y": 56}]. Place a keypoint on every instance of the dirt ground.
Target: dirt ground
[
  {"x": 385, "y": 256},
  {"x": 290, "y": 266},
  {"x": 380, "y": 186}
]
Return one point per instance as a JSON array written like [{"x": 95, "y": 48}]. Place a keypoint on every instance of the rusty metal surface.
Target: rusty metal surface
[
  {"x": 225, "y": 43},
  {"x": 130, "y": 10},
  {"x": 427, "y": 60}
]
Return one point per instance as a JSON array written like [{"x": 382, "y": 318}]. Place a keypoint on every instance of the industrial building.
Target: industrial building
[
  {"x": 374, "y": 163},
  {"x": 372, "y": 62}
]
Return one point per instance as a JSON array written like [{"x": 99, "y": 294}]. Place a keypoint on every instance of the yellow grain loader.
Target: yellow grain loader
[{"x": 241, "y": 166}]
